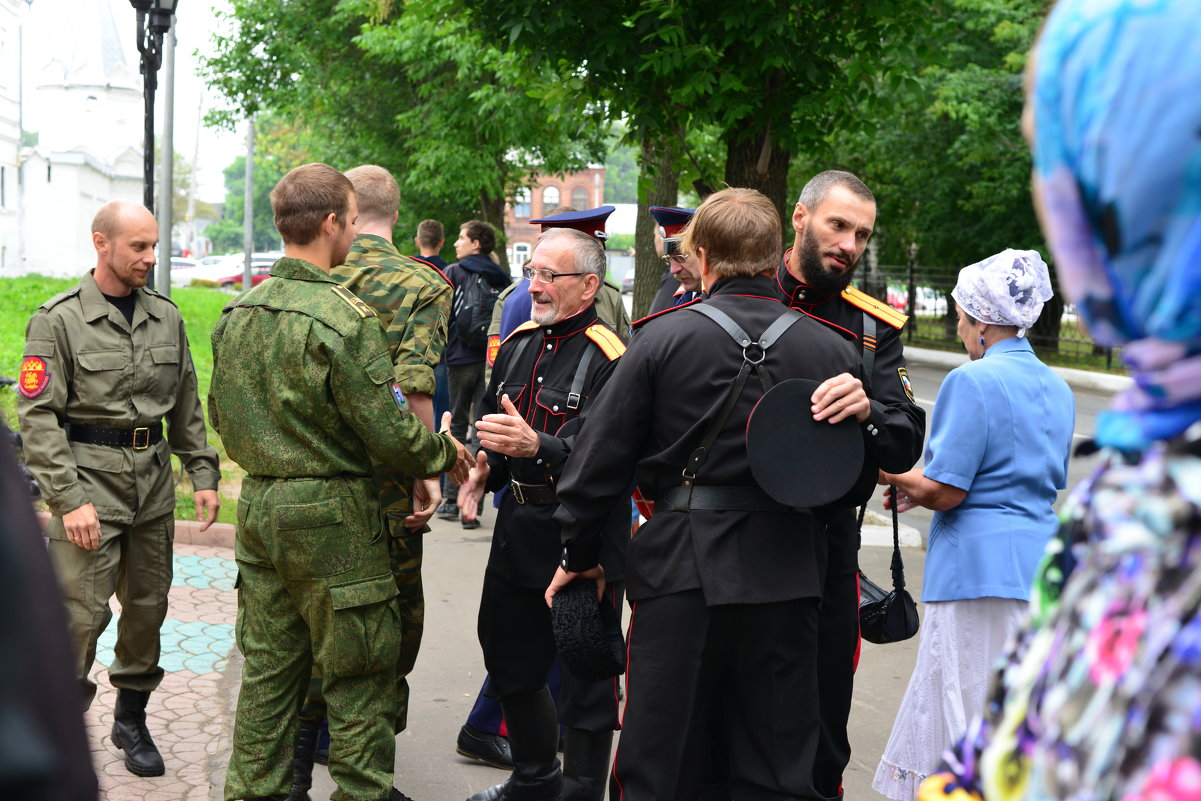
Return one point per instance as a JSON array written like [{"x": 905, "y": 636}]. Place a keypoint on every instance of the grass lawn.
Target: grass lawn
[{"x": 200, "y": 309}]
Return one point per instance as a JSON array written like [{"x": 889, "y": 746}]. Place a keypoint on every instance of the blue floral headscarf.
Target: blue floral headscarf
[{"x": 1117, "y": 162}]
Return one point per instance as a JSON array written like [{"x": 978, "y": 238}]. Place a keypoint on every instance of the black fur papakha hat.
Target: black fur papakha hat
[{"x": 587, "y": 632}]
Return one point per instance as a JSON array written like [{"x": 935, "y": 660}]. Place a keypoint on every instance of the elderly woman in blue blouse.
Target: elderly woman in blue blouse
[{"x": 997, "y": 454}]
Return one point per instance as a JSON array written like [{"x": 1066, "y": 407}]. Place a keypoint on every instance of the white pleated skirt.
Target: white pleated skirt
[{"x": 959, "y": 644}]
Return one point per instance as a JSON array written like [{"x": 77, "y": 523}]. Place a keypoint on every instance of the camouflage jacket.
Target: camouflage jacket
[
  {"x": 303, "y": 384},
  {"x": 412, "y": 301}
]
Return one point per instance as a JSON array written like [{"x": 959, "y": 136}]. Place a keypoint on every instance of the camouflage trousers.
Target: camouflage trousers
[
  {"x": 404, "y": 551},
  {"x": 314, "y": 591}
]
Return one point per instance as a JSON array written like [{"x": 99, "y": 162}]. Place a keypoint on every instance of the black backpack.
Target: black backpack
[{"x": 472, "y": 312}]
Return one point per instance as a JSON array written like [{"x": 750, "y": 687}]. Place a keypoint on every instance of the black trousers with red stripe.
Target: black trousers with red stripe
[
  {"x": 837, "y": 658},
  {"x": 730, "y": 684},
  {"x": 519, "y": 648}
]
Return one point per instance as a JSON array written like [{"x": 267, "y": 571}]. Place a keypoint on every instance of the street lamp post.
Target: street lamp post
[{"x": 150, "y": 45}]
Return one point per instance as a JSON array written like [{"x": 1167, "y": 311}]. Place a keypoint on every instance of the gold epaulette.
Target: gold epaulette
[
  {"x": 876, "y": 308},
  {"x": 528, "y": 325},
  {"x": 353, "y": 301},
  {"x": 610, "y": 344}
]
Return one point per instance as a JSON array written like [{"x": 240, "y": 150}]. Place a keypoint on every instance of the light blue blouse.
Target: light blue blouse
[{"x": 1001, "y": 431}]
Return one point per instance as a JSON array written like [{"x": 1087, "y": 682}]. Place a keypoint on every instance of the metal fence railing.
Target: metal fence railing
[{"x": 924, "y": 293}]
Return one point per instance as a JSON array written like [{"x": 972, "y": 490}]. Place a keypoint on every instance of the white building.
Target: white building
[
  {"x": 84, "y": 101},
  {"x": 10, "y": 134}
]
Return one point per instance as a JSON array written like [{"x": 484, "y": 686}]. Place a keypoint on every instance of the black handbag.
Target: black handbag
[{"x": 884, "y": 616}]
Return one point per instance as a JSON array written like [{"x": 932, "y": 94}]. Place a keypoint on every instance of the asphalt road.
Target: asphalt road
[{"x": 450, "y": 669}]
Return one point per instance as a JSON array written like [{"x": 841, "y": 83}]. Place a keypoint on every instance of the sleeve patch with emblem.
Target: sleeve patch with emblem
[
  {"x": 908, "y": 387},
  {"x": 33, "y": 378},
  {"x": 493, "y": 349},
  {"x": 400, "y": 397}
]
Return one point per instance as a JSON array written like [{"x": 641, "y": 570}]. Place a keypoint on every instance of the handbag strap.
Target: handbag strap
[{"x": 898, "y": 566}]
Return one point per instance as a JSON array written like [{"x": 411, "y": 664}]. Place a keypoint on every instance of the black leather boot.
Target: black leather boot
[
  {"x": 533, "y": 735},
  {"x": 131, "y": 736},
  {"x": 586, "y": 764},
  {"x": 302, "y": 760}
]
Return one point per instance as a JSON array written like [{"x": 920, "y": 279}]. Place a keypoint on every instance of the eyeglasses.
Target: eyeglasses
[
  {"x": 677, "y": 258},
  {"x": 544, "y": 275}
]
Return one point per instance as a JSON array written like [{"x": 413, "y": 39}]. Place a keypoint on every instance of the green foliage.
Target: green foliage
[
  {"x": 621, "y": 174},
  {"x": 944, "y": 151},
  {"x": 276, "y": 150},
  {"x": 413, "y": 88}
]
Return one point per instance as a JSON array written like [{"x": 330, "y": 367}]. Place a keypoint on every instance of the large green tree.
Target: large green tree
[{"x": 411, "y": 87}]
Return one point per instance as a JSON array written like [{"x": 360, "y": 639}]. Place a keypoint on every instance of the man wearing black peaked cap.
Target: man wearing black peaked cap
[
  {"x": 725, "y": 580},
  {"x": 681, "y": 282}
]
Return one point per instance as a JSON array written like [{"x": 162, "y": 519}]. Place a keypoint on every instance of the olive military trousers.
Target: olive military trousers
[
  {"x": 133, "y": 561},
  {"x": 315, "y": 591}
]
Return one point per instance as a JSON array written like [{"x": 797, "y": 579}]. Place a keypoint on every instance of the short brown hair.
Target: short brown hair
[
  {"x": 376, "y": 191},
  {"x": 430, "y": 233},
  {"x": 739, "y": 230},
  {"x": 305, "y": 197},
  {"x": 481, "y": 232}
]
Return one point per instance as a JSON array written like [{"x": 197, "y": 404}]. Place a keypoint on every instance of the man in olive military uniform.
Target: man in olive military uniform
[
  {"x": 833, "y": 220},
  {"x": 304, "y": 394},
  {"x": 412, "y": 301},
  {"x": 106, "y": 364},
  {"x": 548, "y": 373}
]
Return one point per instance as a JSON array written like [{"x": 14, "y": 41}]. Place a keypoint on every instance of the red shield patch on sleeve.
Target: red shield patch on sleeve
[
  {"x": 493, "y": 349},
  {"x": 33, "y": 378}
]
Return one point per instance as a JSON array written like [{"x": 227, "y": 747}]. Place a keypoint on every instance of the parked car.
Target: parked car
[
  {"x": 627, "y": 284},
  {"x": 227, "y": 273}
]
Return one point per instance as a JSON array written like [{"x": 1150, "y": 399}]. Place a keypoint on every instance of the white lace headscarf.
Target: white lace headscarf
[{"x": 1009, "y": 288}]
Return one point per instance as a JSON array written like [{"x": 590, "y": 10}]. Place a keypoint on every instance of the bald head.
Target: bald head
[
  {"x": 124, "y": 235},
  {"x": 116, "y": 215}
]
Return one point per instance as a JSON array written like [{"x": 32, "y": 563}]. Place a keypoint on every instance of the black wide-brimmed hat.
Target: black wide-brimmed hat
[
  {"x": 587, "y": 632},
  {"x": 795, "y": 459}
]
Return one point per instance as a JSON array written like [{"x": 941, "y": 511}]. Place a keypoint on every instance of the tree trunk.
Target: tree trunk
[
  {"x": 658, "y": 185},
  {"x": 756, "y": 160},
  {"x": 492, "y": 211}
]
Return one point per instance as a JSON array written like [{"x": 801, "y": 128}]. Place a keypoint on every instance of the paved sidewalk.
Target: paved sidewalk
[
  {"x": 187, "y": 712},
  {"x": 191, "y": 714}
]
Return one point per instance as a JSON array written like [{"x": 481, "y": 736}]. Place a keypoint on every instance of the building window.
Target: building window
[
  {"x": 579, "y": 198},
  {"x": 521, "y": 203},
  {"x": 550, "y": 198},
  {"x": 521, "y": 253}
]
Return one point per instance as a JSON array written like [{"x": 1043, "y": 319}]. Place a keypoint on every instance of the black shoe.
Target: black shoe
[
  {"x": 397, "y": 795},
  {"x": 471, "y": 524},
  {"x": 447, "y": 511},
  {"x": 302, "y": 761},
  {"x": 131, "y": 736},
  {"x": 491, "y": 749}
]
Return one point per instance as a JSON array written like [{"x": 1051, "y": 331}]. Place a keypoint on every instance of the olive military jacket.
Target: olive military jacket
[
  {"x": 86, "y": 365},
  {"x": 303, "y": 384},
  {"x": 412, "y": 300}
]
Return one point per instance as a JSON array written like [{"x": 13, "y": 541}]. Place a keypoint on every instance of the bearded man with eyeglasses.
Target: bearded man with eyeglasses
[{"x": 547, "y": 373}]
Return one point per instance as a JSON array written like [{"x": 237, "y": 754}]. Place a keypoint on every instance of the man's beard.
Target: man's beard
[
  {"x": 822, "y": 283},
  {"x": 548, "y": 317}
]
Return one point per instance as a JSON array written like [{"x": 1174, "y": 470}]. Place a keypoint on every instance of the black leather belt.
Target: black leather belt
[
  {"x": 713, "y": 498},
  {"x": 533, "y": 493},
  {"x": 138, "y": 438}
]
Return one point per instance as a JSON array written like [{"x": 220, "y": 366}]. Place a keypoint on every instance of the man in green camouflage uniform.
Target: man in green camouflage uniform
[
  {"x": 412, "y": 301},
  {"x": 105, "y": 364},
  {"x": 305, "y": 398}
]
